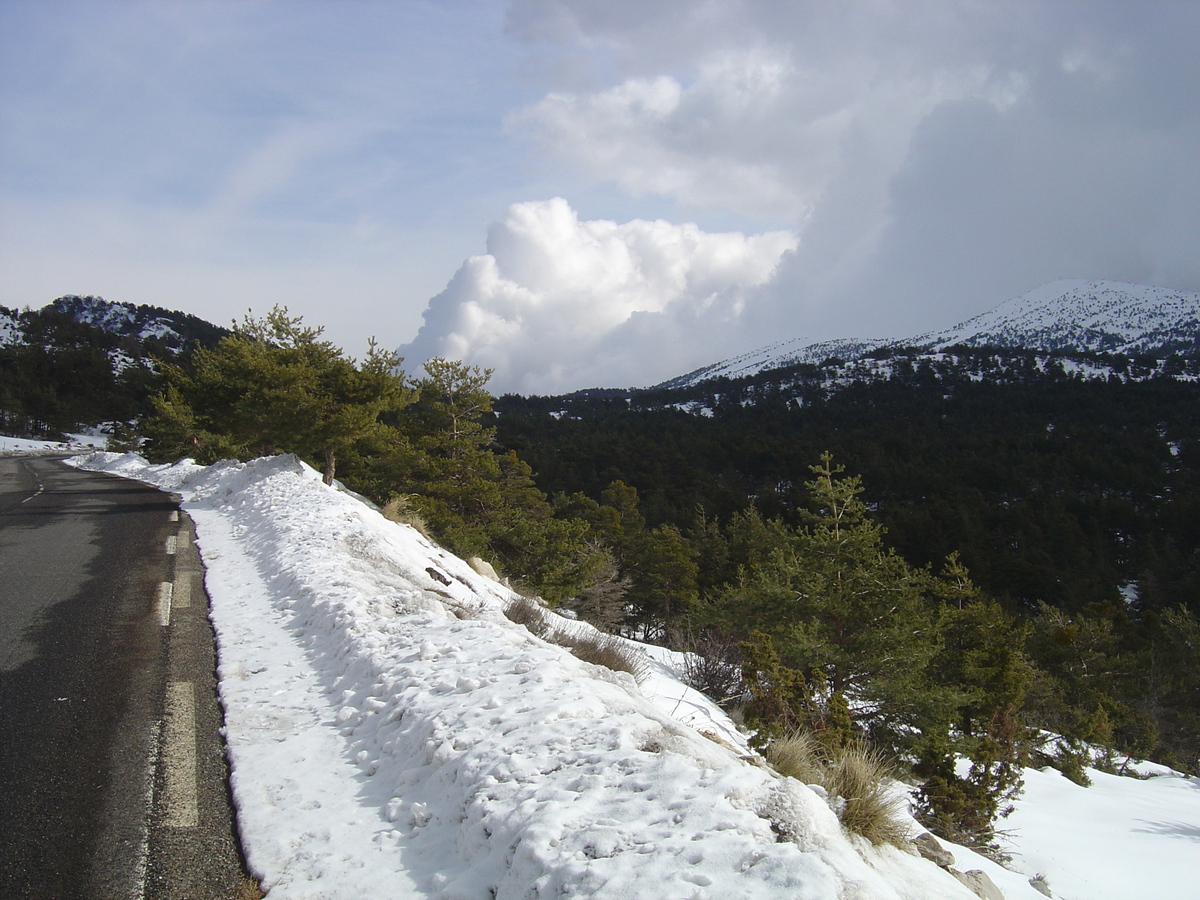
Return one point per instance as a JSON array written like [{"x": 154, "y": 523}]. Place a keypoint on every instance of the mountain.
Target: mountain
[
  {"x": 80, "y": 361},
  {"x": 1089, "y": 316},
  {"x": 1068, "y": 315},
  {"x": 176, "y": 330}
]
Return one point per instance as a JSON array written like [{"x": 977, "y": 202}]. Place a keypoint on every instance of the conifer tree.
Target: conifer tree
[
  {"x": 479, "y": 501},
  {"x": 843, "y": 609},
  {"x": 272, "y": 385}
]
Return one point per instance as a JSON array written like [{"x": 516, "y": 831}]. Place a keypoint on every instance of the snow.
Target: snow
[
  {"x": 10, "y": 328},
  {"x": 1088, "y": 315},
  {"x": 12, "y": 446},
  {"x": 1068, "y": 314},
  {"x": 1117, "y": 839},
  {"x": 392, "y": 734}
]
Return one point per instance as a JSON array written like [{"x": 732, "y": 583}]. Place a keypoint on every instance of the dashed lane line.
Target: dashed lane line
[
  {"x": 163, "y": 604},
  {"x": 181, "y": 595},
  {"x": 179, "y": 800}
]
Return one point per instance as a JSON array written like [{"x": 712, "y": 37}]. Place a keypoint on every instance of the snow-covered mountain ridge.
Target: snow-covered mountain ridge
[{"x": 1068, "y": 315}]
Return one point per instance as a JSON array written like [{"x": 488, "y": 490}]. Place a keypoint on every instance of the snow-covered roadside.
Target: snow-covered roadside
[
  {"x": 392, "y": 734},
  {"x": 11, "y": 446}
]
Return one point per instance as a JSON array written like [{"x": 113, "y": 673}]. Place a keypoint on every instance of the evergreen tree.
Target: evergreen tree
[
  {"x": 843, "y": 609},
  {"x": 482, "y": 502},
  {"x": 982, "y": 658},
  {"x": 273, "y": 385}
]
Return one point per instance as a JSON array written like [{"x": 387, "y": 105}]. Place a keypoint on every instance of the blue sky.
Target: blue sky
[{"x": 580, "y": 193}]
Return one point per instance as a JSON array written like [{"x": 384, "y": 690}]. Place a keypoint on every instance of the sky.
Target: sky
[{"x": 600, "y": 192}]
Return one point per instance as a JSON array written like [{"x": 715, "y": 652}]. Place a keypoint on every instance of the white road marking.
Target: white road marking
[
  {"x": 174, "y": 515},
  {"x": 172, "y": 544},
  {"x": 163, "y": 603},
  {"x": 179, "y": 800},
  {"x": 181, "y": 596}
]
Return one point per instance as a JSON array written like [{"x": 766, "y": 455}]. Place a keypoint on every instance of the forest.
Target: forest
[
  {"x": 942, "y": 557},
  {"x": 1066, "y": 507}
]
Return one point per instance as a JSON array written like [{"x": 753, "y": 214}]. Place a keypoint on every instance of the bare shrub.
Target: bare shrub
[
  {"x": 602, "y": 602},
  {"x": 855, "y": 778},
  {"x": 400, "y": 509},
  {"x": 607, "y": 650},
  {"x": 713, "y": 666},
  {"x": 530, "y": 613}
]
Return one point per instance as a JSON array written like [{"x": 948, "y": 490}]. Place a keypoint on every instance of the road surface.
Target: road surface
[{"x": 112, "y": 774}]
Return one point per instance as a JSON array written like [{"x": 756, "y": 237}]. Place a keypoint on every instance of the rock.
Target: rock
[
  {"x": 927, "y": 845},
  {"x": 483, "y": 567},
  {"x": 1039, "y": 883},
  {"x": 979, "y": 883}
]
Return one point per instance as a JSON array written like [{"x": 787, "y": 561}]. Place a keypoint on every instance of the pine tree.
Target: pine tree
[
  {"x": 272, "y": 385},
  {"x": 844, "y": 609}
]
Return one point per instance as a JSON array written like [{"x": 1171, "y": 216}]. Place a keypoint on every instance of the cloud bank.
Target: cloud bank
[
  {"x": 932, "y": 158},
  {"x": 558, "y": 303}
]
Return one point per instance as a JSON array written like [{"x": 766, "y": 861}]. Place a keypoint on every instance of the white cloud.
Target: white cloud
[
  {"x": 934, "y": 158},
  {"x": 558, "y": 303},
  {"x": 717, "y": 142}
]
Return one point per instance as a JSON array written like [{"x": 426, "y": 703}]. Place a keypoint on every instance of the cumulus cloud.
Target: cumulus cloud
[{"x": 558, "y": 303}]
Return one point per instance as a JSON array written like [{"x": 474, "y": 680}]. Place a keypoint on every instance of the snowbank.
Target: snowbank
[
  {"x": 11, "y": 446},
  {"x": 392, "y": 734}
]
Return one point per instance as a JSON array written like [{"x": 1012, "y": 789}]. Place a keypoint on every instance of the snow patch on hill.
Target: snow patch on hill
[
  {"x": 118, "y": 318},
  {"x": 1088, "y": 316},
  {"x": 10, "y": 328}
]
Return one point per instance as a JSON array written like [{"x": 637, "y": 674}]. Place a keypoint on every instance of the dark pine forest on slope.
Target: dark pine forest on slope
[{"x": 1068, "y": 485}]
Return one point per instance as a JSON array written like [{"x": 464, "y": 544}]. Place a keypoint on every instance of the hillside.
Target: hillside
[
  {"x": 1067, "y": 481},
  {"x": 1069, "y": 316},
  {"x": 392, "y": 733},
  {"x": 150, "y": 325},
  {"x": 81, "y": 361}
]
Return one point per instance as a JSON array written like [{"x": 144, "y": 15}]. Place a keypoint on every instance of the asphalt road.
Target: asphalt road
[{"x": 112, "y": 775}]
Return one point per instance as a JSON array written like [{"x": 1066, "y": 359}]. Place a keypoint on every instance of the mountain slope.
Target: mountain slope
[
  {"x": 80, "y": 361},
  {"x": 176, "y": 330},
  {"x": 1096, "y": 316},
  {"x": 1070, "y": 315}
]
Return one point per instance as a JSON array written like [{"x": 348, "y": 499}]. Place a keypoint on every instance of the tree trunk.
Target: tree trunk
[{"x": 330, "y": 465}]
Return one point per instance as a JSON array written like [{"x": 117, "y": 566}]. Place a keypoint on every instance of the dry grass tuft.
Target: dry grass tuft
[
  {"x": 530, "y": 613},
  {"x": 854, "y": 777},
  {"x": 591, "y": 646},
  {"x": 400, "y": 509},
  {"x": 609, "y": 651},
  {"x": 799, "y": 755},
  {"x": 859, "y": 776}
]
